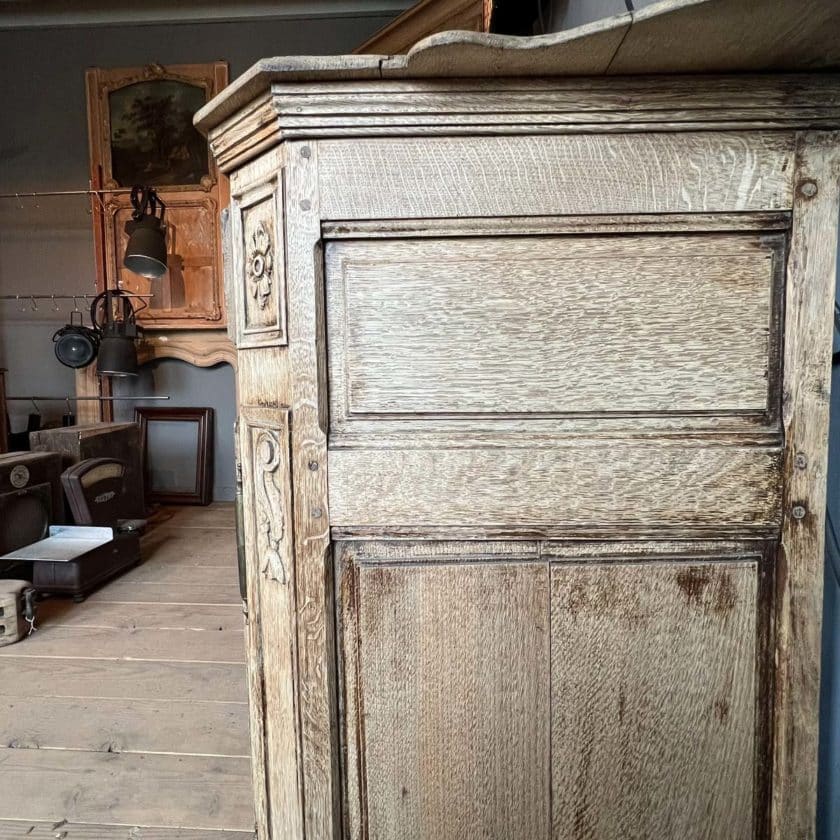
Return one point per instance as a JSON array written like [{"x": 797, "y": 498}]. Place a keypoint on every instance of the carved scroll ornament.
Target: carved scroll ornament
[{"x": 269, "y": 504}]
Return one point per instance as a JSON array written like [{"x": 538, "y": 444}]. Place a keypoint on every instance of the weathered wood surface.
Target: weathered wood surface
[
  {"x": 425, "y": 327},
  {"x": 122, "y": 715},
  {"x": 444, "y": 656},
  {"x": 163, "y": 790},
  {"x": 157, "y": 644},
  {"x": 123, "y": 678},
  {"x": 408, "y": 108},
  {"x": 212, "y": 547},
  {"x": 672, "y": 36},
  {"x": 202, "y": 348},
  {"x": 214, "y": 515},
  {"x": 578, "y": 487},
  {"x": 585, "y": 50},
  {"x": 311, "y": 519},
  {"x": 258, "y": 246},
  {"x": 653, "y": 700},
  {"x": 574, "y": 174},
  {"x": 139, "y": 616},
  {"x": 263, "y": 435},
  {"x": 166, "y": 571},
  {"x": 152, "y": 592},
  {"x": 264, "y": 468},
  {"x": 711, "y": 472},
  {"x": 17, "y": 829},
  {"x": 812, "y": 270},
  {"x": 112, "y": 725},
  {"x": 684, "y": 36},
  {"x": 384, "y": 229}
]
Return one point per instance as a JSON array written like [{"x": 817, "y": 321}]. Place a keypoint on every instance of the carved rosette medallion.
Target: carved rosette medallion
[
  {"x": 259, "y": 259},
  {"x": 269, "y": 505},
  {"x": 260, "y": 265}
]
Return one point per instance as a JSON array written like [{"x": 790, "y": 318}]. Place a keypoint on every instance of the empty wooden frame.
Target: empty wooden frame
[{"x": 196, "y": 460}]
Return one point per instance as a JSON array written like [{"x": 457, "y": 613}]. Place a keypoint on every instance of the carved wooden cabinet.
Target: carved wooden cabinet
[{"x": 534, "y": 382}]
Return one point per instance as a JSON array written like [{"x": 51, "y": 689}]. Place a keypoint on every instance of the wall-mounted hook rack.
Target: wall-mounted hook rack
[
  {"x": 67, "y": 398},
  {"x": 74, "y": 298}
]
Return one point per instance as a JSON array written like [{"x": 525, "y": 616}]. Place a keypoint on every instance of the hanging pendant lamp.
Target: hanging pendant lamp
[
  {"x": 145, "y": 253},
  {"x": 115, "y": 318},
  {"x": 75, "y": 344}
]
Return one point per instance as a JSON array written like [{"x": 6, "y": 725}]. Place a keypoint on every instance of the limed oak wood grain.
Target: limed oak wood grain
[
  {"x": 653, "y": 701},
  {"x": 451, "y": 655},
  {"x": 372, "y": 163},
  {"x": 263, "y": 436},
  {"x": 581, "y": 486},
  {"x": 425, "y": 328},
  {"x": 309, "y": 408},
  {"x": 560, "y": 174},
  {"x": 811, "y": 280}
]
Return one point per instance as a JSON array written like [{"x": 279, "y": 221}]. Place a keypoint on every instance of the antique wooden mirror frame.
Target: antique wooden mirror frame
[{"x": 203, "y": 417}]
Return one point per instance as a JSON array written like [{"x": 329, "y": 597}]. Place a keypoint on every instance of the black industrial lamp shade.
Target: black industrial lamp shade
[
  {"x": 114, "y": 317},
  {"x": 76, "y": 345},
  {"x": 117, "y": 356},
  {"x": 145, "y": 253}
]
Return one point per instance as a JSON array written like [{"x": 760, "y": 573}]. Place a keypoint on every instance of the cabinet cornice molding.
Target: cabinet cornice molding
[{"x": 364, "y": 107}]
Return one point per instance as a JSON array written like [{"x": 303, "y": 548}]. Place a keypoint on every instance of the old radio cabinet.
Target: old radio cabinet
[{"x": 534, "y": 378}]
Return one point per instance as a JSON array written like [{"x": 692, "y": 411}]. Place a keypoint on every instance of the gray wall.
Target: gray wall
[{"x": 46, "y": 246}]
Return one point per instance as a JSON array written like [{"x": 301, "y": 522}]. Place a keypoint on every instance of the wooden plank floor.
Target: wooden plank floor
[{"x": 125, "y": 717}]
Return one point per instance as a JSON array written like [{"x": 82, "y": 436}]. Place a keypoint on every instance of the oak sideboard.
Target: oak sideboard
[{"x": 533, "y": 377}]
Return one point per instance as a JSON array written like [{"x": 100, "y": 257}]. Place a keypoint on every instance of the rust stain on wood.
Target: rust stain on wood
[
  {"x": 707, "y": 590},
  {"x": 693, "y": 583}
]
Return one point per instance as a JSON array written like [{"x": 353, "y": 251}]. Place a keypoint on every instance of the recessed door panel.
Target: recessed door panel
[
  {"x": 653, "y": 696},
  {"x": 527, "y": 691},
  {"x": 447, "y": 696},
  {"x": 544, "y": 326}
]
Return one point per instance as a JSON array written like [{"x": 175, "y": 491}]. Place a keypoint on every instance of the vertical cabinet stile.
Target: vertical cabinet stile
[
  {"x": 257, "y": 289},
  {"x": 306, "y": 357},
  {"x": 811, "y": 278}
]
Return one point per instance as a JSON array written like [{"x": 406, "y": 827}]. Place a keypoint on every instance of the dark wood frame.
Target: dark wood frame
[{"x": 203, "y": 494}]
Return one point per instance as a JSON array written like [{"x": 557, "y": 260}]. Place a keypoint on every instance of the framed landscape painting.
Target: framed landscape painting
[{"x": 140, "y": 123}]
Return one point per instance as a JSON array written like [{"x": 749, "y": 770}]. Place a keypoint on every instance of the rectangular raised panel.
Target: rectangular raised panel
[
  {"x": 653, "y": 697},
  {"x": 591, "y": 486},
  {"x": 259, "y": 277},
  {"x": 700, "y": 172},
  {"x": 264, "y": 456},
  {"x": 447, "y": 698},
  {"x": 537, "y": 326}
]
